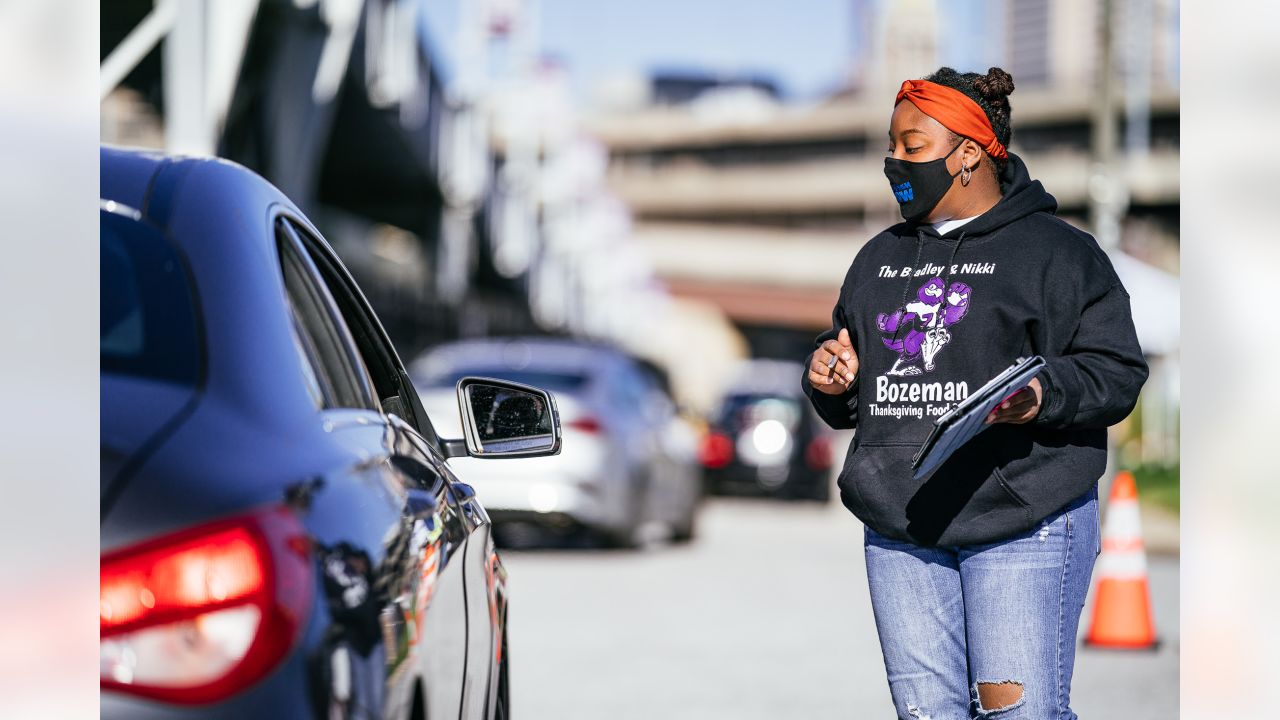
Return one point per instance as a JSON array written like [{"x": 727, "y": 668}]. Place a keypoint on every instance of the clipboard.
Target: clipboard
[{"x": 963, "y": 422}]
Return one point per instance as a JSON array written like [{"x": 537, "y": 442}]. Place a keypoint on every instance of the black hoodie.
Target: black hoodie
[{"x": 932, "y": 318}]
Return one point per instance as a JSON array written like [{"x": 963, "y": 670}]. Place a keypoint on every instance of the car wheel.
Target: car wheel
[
  {"x": 686, "y": 530},
  {"x": 819, "y": 490},
  {"x": 625, "y": 539},
  {"x": 628, "y": 537}
]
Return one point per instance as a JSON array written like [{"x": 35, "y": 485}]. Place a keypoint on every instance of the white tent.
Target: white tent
[{"x": 1154, "y": 296}]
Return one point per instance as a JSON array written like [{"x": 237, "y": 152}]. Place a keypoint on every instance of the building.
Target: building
[{"x": 760, "y": 212}]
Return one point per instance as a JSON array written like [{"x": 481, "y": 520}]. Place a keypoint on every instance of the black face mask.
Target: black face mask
[{"x": 919, "y": 185}]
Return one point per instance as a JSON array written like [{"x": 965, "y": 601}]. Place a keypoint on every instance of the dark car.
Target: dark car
[
  {"x": 281, "y": 535},
  {"x": 764, "y": 438}
]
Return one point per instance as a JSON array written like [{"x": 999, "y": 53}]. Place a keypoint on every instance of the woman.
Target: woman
[{"x": 977, "y": 574}]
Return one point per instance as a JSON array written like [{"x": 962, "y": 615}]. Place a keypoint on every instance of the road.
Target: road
[{"x": 765, "y": 615}]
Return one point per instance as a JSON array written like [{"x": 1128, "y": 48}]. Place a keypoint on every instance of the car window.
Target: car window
[
  {"x": 738, "y": 411},
  {"x": 309, "y": 360},
  {"x": 393, "y": 395},
  {"x": 631, "y": 387},
  {"x": 657, "y": 395},
  {"x": 147, "y": 319},
  {"x": 324, "y": 341}
]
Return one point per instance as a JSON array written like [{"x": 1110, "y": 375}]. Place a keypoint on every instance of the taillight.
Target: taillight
[
  {"x": 716, "y": 451},
  {"x": 199, "y": 615},
  {"x": 586, "y": 424},
  {"x": 818, "y": 454}
]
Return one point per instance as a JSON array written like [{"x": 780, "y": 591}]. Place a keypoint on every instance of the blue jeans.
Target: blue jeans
[{"x": 953, "y": 618}]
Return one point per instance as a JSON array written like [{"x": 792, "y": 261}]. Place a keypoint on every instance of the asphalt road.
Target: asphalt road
[{"x": 765, "y": 615}]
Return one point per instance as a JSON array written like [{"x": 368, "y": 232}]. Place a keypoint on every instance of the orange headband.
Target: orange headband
[{"x": 955, "y": 110}]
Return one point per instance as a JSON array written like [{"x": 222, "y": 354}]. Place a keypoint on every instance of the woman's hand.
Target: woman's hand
[
  {"x": 834, "y": 378},
  {"x": 1021, "y": 407}
]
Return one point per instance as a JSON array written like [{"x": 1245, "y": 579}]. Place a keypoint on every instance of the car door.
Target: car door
[
  {"x": 486, "y": 599},
  {"x": 672, "y": 486},
  {"x": 430, "y": 624},
  {"x": 415, "y": 576},
  {"x": 641, "y": 440},
  {"x": 416, "y": 440}
]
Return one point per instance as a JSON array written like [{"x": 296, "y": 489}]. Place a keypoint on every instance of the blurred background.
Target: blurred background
[{"x": 685, "y": 185}]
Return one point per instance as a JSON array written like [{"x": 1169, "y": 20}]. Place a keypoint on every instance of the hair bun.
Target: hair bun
[{"x": 995, "y": 85}]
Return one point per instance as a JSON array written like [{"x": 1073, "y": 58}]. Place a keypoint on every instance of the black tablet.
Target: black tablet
[{"x": 965, "y": 420}]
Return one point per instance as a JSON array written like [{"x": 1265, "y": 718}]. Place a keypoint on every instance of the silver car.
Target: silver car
[{"x": 628, "y": 468}]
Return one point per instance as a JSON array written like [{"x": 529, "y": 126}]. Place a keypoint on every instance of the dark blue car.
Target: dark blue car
[{"x": 281, "y": 534}]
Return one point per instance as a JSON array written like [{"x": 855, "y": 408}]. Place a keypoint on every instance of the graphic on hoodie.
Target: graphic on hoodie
[{"x": 921, "y": 329}]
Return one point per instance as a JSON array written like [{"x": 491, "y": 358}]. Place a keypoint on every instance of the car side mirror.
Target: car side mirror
[{"x": 507, "y": 419}]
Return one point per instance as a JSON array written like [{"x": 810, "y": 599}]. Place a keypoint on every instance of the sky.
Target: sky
[{"x": 807, "y": 46}]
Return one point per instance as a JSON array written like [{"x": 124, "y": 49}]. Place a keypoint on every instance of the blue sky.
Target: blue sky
[{"x": 807, "y": 46}]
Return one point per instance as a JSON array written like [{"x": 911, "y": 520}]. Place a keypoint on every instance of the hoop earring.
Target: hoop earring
[{"x": 966, "y": 174}]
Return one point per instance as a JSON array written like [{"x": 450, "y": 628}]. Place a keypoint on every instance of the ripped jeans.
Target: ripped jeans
[{"x": 995, "y": 621}]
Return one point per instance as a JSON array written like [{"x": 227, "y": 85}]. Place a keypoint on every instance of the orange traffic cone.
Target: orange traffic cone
[{"x": 1122, "y": 600}]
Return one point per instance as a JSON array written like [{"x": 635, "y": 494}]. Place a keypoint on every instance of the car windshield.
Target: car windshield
[
  {"x": 564, "y": 382},
  {"x": 148, "y": 320},
  {"x": 743, "y": 411}
]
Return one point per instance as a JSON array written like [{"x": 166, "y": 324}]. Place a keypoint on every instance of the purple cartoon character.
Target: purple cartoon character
[{"x": 919, "y": 331}]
